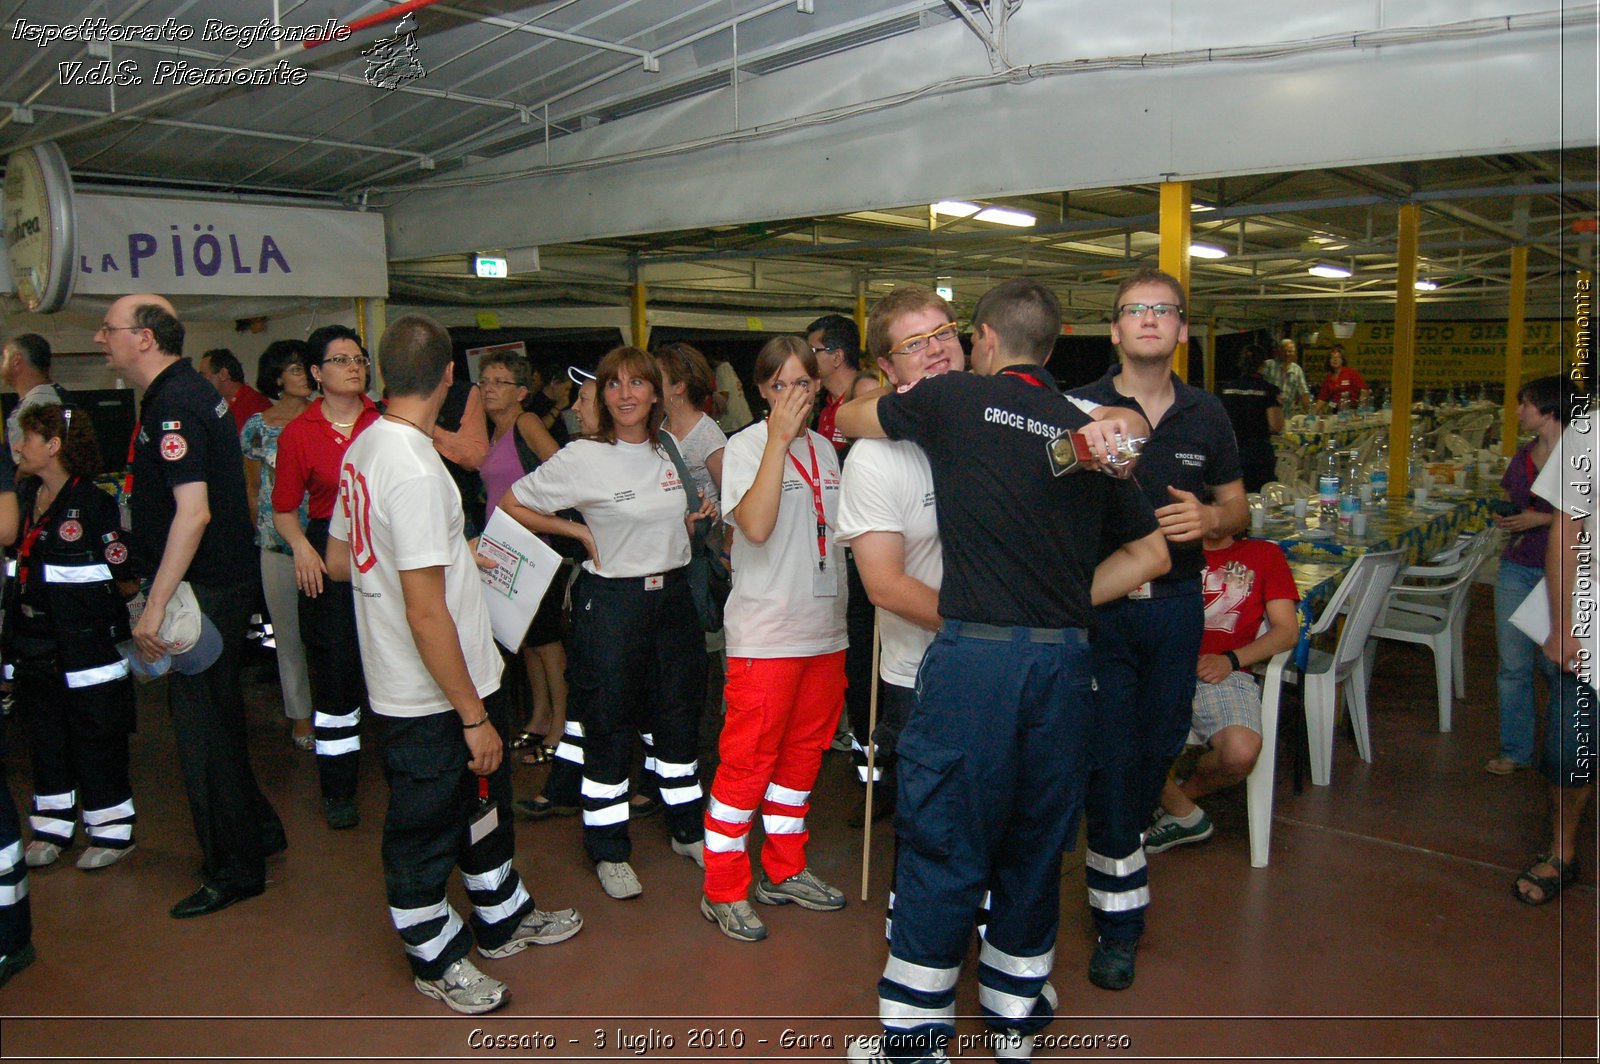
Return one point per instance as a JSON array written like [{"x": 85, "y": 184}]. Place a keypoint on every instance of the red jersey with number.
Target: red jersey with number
[{"x": 1238, "y": 581}]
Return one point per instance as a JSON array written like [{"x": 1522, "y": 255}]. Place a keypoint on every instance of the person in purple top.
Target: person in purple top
[{"x": 1542, "y": 410}]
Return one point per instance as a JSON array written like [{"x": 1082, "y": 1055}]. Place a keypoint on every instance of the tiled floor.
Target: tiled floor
[{"x": 1384, "y": 927}]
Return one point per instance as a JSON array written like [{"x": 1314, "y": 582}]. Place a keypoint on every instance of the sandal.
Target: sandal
[
  {"x": 1549, "y": 886},
  {"x": 524, "y": 740},
  {"x": 540, "y": 807},
  {"x": 1503, "y": 766},
  {"x": 535, "y": 754},
  {"x": 308, "y": 743}
]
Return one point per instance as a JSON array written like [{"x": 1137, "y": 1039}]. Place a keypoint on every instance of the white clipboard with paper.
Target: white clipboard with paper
[
  {"x": 1532, "y": 619},
  {"x": 524, "y": 567}
]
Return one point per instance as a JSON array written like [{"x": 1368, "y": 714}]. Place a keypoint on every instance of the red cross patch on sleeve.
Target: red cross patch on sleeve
[{"x": 173, "y": 446}]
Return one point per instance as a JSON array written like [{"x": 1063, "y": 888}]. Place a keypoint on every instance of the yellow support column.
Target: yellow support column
[
  {"x": 1514, "y": 336},
  {"x": 1405, "y": 348},
  {"x": 639, "y": 327},
  {"x": 1174, "y": 256},
  {"x": 861, "y": 317}
]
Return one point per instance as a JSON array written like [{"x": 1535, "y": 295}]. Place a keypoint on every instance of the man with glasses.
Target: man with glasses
[
  {"x": 992, "y": 758},
  {"x": 1147, "y": 644},
  {"x": 221, "y": 367},
  {"x": 187, "y": 518}
]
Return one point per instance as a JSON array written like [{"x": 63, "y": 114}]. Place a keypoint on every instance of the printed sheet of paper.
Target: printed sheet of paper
[{"x": 524, "y": 567}]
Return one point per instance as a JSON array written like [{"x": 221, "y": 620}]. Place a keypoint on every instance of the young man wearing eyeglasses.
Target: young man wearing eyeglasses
[
  {"x": 1147, "y": 643},
  {"x": 993, "y": 756},
  {"x": 188, "y": 519}
]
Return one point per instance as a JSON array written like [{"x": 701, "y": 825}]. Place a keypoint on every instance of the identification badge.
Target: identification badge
[
  {"x": 655, "y": 583},
  {"x": 486, "y": 817},
  {"x": 1140, "y": 592},
  {"x": 825, "y": 580}
]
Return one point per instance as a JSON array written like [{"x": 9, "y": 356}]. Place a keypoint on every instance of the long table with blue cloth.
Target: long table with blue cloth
[{"x": 1320, "y": 560}]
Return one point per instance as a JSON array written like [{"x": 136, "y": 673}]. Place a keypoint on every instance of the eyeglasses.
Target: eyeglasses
[
  {"x": 1139, "y": 310},
  {"x": 915, "y": 345},
  {"x": 347, "y": 360},
  {"x": 295, "y": 367},
  {"x": 496, "y": 382},
  {"x": 824, "y": 348},
  {"x": 123, "y": 328}
]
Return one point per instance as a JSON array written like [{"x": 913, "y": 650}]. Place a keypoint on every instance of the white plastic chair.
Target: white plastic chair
[
  {"x": 1428, "y": 605},
  {"x": 1361, "y": 596},
  {"x": 1258, "y": 785}
]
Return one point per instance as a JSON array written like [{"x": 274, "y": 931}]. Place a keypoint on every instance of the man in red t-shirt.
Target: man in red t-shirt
[
  {"x": 1243, "y": 582},
  {"x": 221, "y": 367}
]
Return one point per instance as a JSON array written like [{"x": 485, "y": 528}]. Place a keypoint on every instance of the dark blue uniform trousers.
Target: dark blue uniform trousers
[
  {"x": 991, "y": 780},
  {"x": 1145, "y": 652}
]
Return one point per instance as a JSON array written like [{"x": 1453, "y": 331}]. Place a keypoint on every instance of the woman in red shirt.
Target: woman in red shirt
[
  {"x": 1343, "y": 385},
  {"x": 309, "y": 453}
]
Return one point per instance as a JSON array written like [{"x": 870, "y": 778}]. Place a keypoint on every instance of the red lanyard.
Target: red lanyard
[
  {"x": 35, "y": 529},
  {"x": 127, "y": 477},
  {"x": 815, "y": 483}
]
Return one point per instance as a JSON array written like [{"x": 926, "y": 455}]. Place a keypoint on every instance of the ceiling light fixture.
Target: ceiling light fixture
[
  {"x": 1424, "y": 285},
  {"x": 1002, "y": 216},
  {"x": 1207, "y": 251},
  {"x": 1324, "y": 270},
  {"x": 956, "y": 208}
]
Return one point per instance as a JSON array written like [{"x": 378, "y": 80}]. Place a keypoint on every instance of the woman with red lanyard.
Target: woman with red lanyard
[
  {"x": 309, "y": 453},
  {"x": 785, "y": 622},
  {"x": 636, "y": 640},
  {"x": 64, "y": 620}
]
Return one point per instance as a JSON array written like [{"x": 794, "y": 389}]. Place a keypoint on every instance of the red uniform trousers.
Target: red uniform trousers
[{"x": 782, "y": 713}]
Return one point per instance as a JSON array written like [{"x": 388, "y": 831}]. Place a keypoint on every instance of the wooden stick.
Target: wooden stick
[{"x": 872, "y": 750}]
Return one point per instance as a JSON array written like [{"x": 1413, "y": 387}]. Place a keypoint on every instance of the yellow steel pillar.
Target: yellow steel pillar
[
  {"x": 1174, "y": 256},
  {"x": 638, "y": 326},
  {"x": 861, "y": 316},
  {"x": 1405, "y": 348},
  {"x": 1514, "y": 336}
]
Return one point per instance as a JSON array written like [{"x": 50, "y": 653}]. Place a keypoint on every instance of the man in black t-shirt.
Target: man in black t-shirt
[
  {"x": 1147, "y": 645},
  {"x": 1256, "y": 412},
  {"x": 992, "y": 759},
  {"x": 185, "y": 506}
]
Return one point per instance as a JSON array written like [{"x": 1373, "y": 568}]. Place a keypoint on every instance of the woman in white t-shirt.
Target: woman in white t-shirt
[
  {"x": 786, "y": 641},
  {"x": 637, "y": 650}
]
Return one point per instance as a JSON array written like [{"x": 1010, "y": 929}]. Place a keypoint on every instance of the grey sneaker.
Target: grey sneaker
[
  {"x": 464, "y": 988},
  {"x": 804, "y": 889},
  {"x": 694, "y": 851},
  {"x": 41, "y": 853},
  {"x": 1167, "y": 832},
  {"x": 617, "y": 879},
  {"x": 538, "y": 928},
  {"x": 101, "y": 856},
  {"x": 736, "y": 919}
]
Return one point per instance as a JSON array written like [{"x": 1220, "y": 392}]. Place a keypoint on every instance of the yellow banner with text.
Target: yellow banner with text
[{"x": 1447, "y": 352}]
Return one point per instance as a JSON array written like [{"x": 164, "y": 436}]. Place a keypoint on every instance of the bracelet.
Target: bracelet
[
  {"x": 1233, "y": 659},
  {"x": 480, "y": 722}
]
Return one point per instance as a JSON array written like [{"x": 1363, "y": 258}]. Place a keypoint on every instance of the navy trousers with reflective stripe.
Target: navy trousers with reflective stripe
[
  {"x": 991, "y": 775},
  {"x": 16, "y": 916},
  {"x": 432, "y": 798},
  {"x": 338, "y": 686},
  {"x": 79, "y": 743},
  {"x": 1144, "y": 659}
]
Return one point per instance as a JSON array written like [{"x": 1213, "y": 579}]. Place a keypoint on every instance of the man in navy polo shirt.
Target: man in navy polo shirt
[
  {"x": 188, "y": 519},
  {"x": 1146, "y": 645},
  {"x": 992, "y": 759}
]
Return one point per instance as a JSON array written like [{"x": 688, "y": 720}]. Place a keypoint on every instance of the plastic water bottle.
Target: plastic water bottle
[
  {"x": 1349, "y": 492},
  {"x": 1328, "y": 489},
  {"x": 1379, "y": 477}
]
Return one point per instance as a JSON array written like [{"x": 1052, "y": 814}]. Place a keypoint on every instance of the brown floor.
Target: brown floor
[{"x": 1384, "y": 927}]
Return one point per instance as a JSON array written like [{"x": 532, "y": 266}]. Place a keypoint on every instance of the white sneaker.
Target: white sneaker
[
  {"x": 101, "y": 856},
  {"x": 694, "y": 851},
  {"x": 464, "y": 988},
  {"x": 538, "y": 928},
  {"x": 41, "y": 853},
  {"x": 618, "y": 880}
]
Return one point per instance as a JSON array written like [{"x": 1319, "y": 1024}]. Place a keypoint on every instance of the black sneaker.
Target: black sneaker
[
  {"x": 1111, "y": 967},
  {"x": 340, "y": 813}
]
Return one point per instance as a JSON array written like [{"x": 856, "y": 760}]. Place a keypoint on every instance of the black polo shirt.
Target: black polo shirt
[
  {"x": 186, "y": 434},
  {"x": 1192, "y": 449},
  {"x": 1020, "y": 545},
  {"x": 1246, "y": 402}
]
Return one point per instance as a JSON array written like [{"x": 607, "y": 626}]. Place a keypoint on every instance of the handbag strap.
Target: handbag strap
[{"x": 691, "y": 494}]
